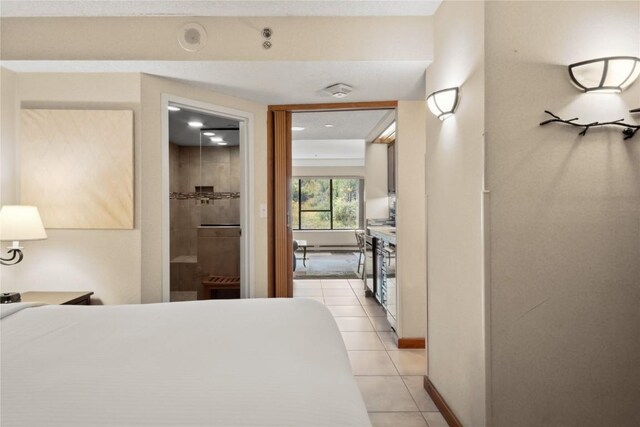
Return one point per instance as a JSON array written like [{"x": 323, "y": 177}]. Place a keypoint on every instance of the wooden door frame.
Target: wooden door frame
[{"x": 279, "y": 166}]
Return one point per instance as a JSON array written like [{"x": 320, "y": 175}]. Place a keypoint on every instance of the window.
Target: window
[{"x": 326, "y": 203}]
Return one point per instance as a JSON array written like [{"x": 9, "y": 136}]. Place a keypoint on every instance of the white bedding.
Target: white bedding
[{"x": 206, "y": 363}]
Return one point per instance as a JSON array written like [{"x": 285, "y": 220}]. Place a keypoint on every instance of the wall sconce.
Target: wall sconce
[
  {"x": 443, "y": 103},
  {"x": 605, "y": 75},
  {"x": 19, "y": 223}
]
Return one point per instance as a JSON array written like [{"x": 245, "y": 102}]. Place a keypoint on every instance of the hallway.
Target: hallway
[{"x": 390, "y": 379}]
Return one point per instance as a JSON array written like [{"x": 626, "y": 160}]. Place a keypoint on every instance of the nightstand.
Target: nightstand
[{"x": 58, "y": 298}]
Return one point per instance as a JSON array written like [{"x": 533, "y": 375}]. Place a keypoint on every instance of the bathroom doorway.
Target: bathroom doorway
[{"x": 206, "y": 244}]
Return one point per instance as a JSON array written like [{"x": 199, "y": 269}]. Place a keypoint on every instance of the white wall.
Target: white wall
[
  {"x": 8, "y": 122},
  {"x": 328, "y": 153},
  {"x": 565, "y": 219},
  {"x": 229, "y": 39},
  {"x": 106, "y": 262},
  {"x": 327, "y": 238},
  {"x": 152, "y": 89},
  {"x": 340, "y": 171},
  {"x": 410, "y": 219},
  {"x": 376, "y": 190},
  {"x": 455, "y": 162}
]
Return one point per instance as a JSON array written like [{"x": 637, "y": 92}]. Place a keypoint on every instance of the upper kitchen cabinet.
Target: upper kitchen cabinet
[{"x": 388, "y": 137}]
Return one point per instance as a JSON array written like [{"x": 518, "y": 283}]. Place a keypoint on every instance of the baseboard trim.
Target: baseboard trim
[
  {"x": 442, "y": 405},
  {"x": 411, "y": 343}
]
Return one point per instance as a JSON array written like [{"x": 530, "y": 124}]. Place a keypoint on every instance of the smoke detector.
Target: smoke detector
[
  {"x": 192, "y": 37},
  {"x": 338, "y": 90}
]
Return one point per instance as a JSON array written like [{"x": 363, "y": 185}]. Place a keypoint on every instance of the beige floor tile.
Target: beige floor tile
[
  {"x": 397, "y": 419},
  {"x": 362, "y": 341},
  {"x": 358, "y": 292},
  {"x": 347, "y": 311},
  {"x": 385, "y": 394},
  {"x": 338, "y": 292},
  {"x": 341, "y": 301},
  {"x": 409, "y": 362},
  {"x": 354, "y": 324},
  {"x": 374, "y": 311},
  {"x": 320, "y": 299},
  {"x": 415, "y": 384},
  {"x": 381, "y": 324},
  {"x": 389, "y": 339},
  {"x": 306, "y": 284},
  {"x": 371, "y": 362},
  {"x": 368, "y": 301},
  {"x": 335, "y": 284},
  {"x": 356, "y": 283},
  {"x": 435, "y": 419},
  {"x": 307, "y": 292}
]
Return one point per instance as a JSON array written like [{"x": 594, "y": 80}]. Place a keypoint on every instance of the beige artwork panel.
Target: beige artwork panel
[{"x": 76, "y": 166}]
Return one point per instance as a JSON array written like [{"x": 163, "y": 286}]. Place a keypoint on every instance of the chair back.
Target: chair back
[{"x": 360, "y": 239}]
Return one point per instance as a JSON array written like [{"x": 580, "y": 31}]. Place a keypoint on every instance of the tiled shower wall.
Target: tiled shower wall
[{"x": 220, "y": 169}]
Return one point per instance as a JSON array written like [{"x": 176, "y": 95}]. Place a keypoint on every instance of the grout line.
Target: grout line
[{"x": 399, "y": 375}]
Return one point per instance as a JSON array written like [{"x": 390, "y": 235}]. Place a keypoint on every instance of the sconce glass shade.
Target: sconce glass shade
[
  {"x": 21, "y": 223},
  {"x": 605, "y": 75},
  {"x": 443, "y": 103}
]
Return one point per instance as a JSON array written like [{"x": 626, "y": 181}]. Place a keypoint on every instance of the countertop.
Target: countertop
[{"x": 384, "y": 233}]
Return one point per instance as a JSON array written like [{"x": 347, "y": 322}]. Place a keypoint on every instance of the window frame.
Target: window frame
[{"x": 330, "y": 210}]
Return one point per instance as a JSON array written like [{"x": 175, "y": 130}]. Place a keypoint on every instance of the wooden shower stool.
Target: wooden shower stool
[{"x": 220, "y": 283}]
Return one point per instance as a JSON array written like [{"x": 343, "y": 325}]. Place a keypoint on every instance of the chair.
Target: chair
[
  {"x": 361, "y": 246},
  {"x": 295, "y": 261}
]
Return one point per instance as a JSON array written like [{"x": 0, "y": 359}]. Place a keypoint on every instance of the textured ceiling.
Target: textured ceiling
[
  {"x": 31, "y": 8},
  {"x": 346, "y": 124},
  {"x": 341, "y": 145},
  {"x": 182, "y": 134},
  {"x": 274, "y": 82}
]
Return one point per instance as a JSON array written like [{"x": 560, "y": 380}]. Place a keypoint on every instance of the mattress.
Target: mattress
[{"x": 275, "y": 362}]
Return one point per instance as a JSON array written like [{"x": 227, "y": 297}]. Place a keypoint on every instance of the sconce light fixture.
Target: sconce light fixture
[
  {"x": 19, "y": 223},
  {"x": 605, "y": 75},
  {"x": 443, "y": 103}
]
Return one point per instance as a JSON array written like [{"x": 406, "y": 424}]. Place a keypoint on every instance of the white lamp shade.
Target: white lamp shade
[
  {"x": 605, "y": 75},
  {"x": 21, "y": 223},
  {"x": 443, "y": 103}
]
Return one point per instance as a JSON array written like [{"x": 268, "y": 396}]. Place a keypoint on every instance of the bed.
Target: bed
[{"x": 276, "y": 362}]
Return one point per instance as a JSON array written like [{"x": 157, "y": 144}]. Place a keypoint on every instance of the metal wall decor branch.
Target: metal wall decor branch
[{"x": 629, "y": 129}]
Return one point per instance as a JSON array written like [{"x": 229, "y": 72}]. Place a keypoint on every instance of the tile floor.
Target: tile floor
[{"x": 390, "y": 379}]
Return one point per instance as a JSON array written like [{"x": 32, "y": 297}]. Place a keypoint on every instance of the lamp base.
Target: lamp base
[{"x": 9, "y": 297}]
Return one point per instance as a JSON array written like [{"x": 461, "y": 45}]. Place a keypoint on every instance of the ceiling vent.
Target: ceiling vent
[{"x": 338, "y": 90}]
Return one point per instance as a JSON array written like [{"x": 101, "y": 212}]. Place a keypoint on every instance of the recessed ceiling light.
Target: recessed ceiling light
[
  {"x": 209, "y": 133},
  {"x": 328, "y": 125},
  {"x": 216, "y": 139},
  {"x": 297, "y": 128},
  {"x": 196, "y": 124},
  {"x": 222, "y": 143},
  {"x": 173, "y": 108}
]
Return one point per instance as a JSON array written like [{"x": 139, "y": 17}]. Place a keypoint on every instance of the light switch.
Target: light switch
[{"x": 263, "y": 210}]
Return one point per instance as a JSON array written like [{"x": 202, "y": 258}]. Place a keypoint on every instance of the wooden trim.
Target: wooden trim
[
  {"x": 442, "y": 405},
  {"x": 411, "y": 343},
  {"x": 271, "y": 288},
  {"x": 283, "y": 236},
  {"x": 337, "y": 106},
  {"x": 279, "y": 165}
]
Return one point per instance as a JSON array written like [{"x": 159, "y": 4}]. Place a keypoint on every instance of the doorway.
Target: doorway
[
  {"x": 281, "y": 220},
  {"x": 207, "y": 198}
]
